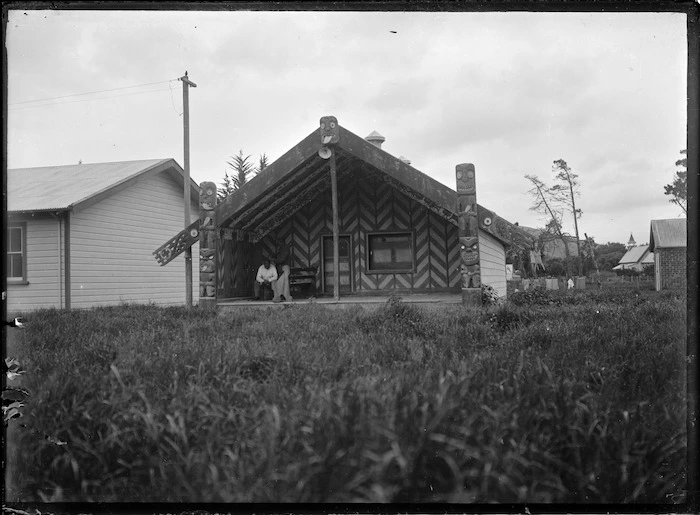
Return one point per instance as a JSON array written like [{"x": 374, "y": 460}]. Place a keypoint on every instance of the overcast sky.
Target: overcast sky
[{"x": 509, "y": 92}]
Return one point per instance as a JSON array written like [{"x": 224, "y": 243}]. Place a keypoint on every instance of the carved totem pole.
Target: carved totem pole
[
  {"x": 468, "y": 235},
  {"x": 207, "y": 245}
]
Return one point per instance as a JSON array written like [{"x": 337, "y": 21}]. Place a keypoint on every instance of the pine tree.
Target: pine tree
[
  {"x": 262, "y": 164},
  {"x": 240, "y": 170},
  {"x": 678, "y": 189}
]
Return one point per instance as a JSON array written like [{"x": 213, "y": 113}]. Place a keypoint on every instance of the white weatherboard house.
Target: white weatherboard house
[
  {"x": 83, "y": 235},
  {"x": 636, "y": 258}
]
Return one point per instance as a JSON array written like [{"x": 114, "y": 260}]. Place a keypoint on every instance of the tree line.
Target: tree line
[{"x": 558, "y": 200}]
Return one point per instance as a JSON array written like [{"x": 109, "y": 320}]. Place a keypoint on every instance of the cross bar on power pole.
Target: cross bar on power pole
[
  {"x": 187, "y": 81},
  {"x": 187, "y": 189}
]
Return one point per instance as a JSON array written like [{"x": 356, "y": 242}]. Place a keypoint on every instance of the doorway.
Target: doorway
[{"x": 344, "y": 264}]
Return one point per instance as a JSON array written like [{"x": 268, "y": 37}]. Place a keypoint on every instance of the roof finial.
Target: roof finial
[{"x": 375, "y": 139}]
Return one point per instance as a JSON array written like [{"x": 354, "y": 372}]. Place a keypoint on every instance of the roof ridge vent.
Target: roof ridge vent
[{"x": 375, "y": 139}]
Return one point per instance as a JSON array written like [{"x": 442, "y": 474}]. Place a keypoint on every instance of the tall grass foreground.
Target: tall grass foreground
[{"x": 574, "y": 397}]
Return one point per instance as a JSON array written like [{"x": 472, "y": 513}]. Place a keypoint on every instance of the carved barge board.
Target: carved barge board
[
  {"x": 177, "y": 244},
  {"x": 288, "y": 208},
  {"x": 273, "y": 174},
  {"x": 284, "y": 201},
  {"x": 288, "y": 187}
]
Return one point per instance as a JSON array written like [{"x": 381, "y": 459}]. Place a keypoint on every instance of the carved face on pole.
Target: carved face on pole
[
  {"x": 207, "y": 196},
  {"x": 466, "y": 179},
  {"x": 330, "y": 134},
  {"x": 469, "y": 250}
]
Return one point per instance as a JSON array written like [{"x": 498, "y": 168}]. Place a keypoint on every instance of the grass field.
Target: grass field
[{"x": 566, "y": 397}]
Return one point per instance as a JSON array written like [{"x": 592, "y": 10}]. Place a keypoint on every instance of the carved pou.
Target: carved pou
[
  {"x": 330, "y": 133},
  {"x": 207, "y": 196},
  {"x": 469, "y": 250}
]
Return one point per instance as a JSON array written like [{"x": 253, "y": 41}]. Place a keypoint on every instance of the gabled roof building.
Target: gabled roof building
[
  {"x": 668, "y": 242},
  {"x": 636, "y": 258},
  {"x": 82, "y": 235},
  {"x": 398, "y": 228}
]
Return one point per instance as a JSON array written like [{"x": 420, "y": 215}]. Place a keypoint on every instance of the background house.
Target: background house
[
  {"x": 636, "y": 258},
  {"x": 83, "y": 235},
  {"x": 398, "y": 228},
  {"x": 552, "y": 247},
  {"x": 668, "y": 241}
]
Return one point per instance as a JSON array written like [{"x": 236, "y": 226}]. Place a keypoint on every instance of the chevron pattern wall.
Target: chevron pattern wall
[{"x": 366, "y": 205}]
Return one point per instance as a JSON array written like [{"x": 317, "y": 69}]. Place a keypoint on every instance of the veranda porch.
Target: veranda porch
[{"x": 426, "y": 300}]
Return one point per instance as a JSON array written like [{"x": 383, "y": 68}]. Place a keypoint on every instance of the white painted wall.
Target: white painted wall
[
  {"x": 112, "y": 244},
  {"x": 493, "y": 263},
  {"x": 44, "y": 267}
]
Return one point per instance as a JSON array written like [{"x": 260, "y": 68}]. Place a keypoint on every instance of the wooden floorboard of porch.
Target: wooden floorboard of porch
[{"x": 365, "y": 301}]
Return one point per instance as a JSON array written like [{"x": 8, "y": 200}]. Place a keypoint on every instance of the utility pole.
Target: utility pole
[{"x": 187, "y": 190}]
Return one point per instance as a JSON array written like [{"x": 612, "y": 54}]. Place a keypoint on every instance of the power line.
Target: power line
[
  {"x": 12, "y": 108},
  {"x": 91, "y": 92}
]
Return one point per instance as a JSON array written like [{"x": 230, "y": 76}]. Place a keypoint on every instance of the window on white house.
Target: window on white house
[
  {"x": 390, "y": 252},
  {"x": 16, "y": 255}
]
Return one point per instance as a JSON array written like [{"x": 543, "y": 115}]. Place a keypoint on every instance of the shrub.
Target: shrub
[
  {"x": 537, "y": 296},
  {"x": 489, "y": 295}
]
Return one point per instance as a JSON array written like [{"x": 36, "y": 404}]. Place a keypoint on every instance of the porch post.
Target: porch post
[
  {"x": 336, "y": 251},
  {"x": 468, "y": 235},
  {"x": 207, "y": 245},
  {"x": 330, "y": 135}
]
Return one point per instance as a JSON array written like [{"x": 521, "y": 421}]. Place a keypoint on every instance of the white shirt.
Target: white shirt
[{"x": 266, "y": 274}]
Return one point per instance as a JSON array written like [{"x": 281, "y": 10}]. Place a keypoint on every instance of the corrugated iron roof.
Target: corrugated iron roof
[
  {"x": 670, "y": 232},
  {"x": 634, "y": 255},
  {"x": 56, "y": 188}
]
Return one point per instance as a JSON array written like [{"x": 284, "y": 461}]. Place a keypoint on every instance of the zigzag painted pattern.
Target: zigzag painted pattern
[
  {"x": 366, "y": 204},
  {"x": 235, "y": 262},
  {"x": 401, "y": 211},
  {"x": 402, "y": 280},
  {"x": 367, "y": 224},
  {"x": 383, "y": 206},
  {"x": 386, "y": 282},
  {"x": 453, "y": 257},
  {"x": 419, "y": 216},
  {"x": 317, "y": 214},
  {"x": 268, "y": 245},
  {"x": 283, "y": 233},
  {"x": 220, "y": 274},
  {"x": 350, "y": 222},
  {"x": 238, "y": 264},
  {"x": 438, "y": 252},
  {"x": 300, "y": 238}
]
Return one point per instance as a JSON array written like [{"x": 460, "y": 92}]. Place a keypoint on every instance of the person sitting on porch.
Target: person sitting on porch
[
  {"x": 267, "y": 276},
  {"x": 281, "y": 260}
]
